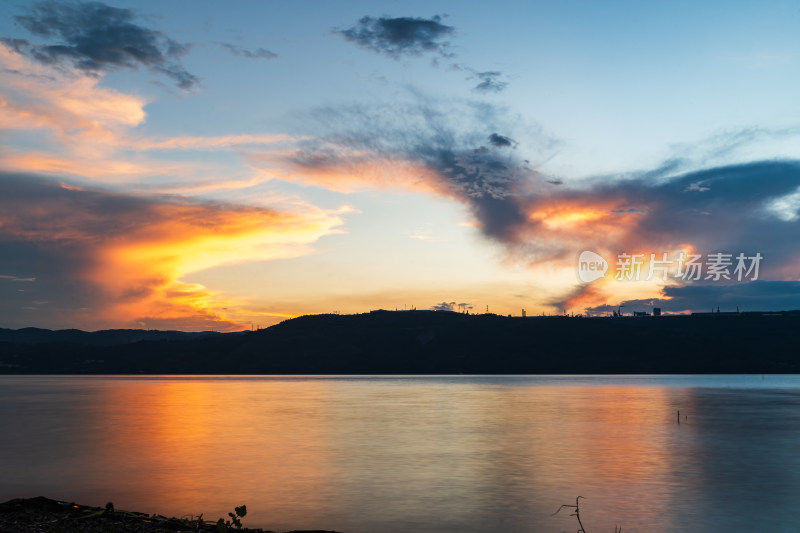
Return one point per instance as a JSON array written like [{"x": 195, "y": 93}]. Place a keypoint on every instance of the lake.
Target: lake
[{"x": 370, "y": 454}]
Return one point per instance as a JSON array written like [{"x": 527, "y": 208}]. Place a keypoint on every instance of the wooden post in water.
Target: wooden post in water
[{"x": 679, "y": 417}]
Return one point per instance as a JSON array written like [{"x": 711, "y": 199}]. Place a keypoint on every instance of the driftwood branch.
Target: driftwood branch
[{"x": 576, "y": 514}]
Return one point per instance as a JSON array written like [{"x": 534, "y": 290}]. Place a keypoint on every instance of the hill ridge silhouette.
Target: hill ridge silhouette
[{"x": 426, "y": 342}]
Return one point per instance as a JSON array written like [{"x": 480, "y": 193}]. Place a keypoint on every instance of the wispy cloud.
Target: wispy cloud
[
  {"x": 488, "y": 81},
  {"x": 63, "y": 121},
  {"x": 38, "y": 97},
  {"x": 210, "y": 142},
  {"x": 94, "y": 38},
  {"x": 258, "y": 53},
  {"x": 68, "y": 124},
  {"x": 15, "y": 278}
]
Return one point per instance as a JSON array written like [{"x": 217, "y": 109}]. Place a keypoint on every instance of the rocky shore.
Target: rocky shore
[{"x": 43, "y": 515}]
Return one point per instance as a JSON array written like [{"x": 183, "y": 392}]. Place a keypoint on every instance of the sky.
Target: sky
[{"x": 197, "y": 166}]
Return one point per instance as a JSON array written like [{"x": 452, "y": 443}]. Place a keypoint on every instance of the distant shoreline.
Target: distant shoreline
[{"x": 426, "y": 342}]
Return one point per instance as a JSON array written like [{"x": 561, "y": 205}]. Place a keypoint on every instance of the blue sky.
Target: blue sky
[{"x": 283, "y": 158}]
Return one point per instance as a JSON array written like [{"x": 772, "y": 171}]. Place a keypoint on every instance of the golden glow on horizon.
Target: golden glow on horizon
[
  {"x": 80, "y": 128},
  {"x": 135, "y": 251},
  {"x": 143, "y": 269}
]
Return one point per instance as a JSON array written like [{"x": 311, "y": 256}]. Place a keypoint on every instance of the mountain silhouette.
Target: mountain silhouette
[{"x": 425, "y": 342}]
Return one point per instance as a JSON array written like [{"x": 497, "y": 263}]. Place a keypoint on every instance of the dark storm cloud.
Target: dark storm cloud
[
  {"x": 43, "y": 248},
  {"x": 92, "y": 209},
  {"x": 94, "y": 37},
  {"x": 51, "y": 233},
  {"x": 746, "y": 207},
  {"x": 56, "y": 293},
  {"x": 753, "y": 296},
  {"x": 738, "y": 209},
  {"x": 400, "y": 36},
  {"x": 488, "y": 182},
  {"x": 258, "y": 53}
]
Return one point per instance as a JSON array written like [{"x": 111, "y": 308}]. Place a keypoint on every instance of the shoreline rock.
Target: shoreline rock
[{"x": 40, "y": 515}]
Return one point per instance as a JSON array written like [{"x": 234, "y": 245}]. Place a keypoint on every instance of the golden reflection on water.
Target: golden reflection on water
[
  {"x": 613, "y": 441},
  {"x": 320, "y": 453},
  {"x": 387, "y": 455},
  {"x": 210, "y": 445}
]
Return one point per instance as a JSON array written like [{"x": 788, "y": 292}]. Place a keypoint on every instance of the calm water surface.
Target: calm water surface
[{"x": 418, "y": 454}]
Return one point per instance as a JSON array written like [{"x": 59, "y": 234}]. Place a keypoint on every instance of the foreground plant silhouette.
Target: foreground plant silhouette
[
  {"x": 236, "y": 519},
  {"x": 577, "y": 515}
]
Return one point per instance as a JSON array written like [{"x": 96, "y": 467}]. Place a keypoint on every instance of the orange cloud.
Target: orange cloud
[
  {"x": 133, "y": 252},
  {"x": 205, "y": 143},
  {"x": 599, "y": 223},
  {"x": 65, "y": 123},
  {"x": 142, "y": 270},
  {"x": 351, "y": 172},
  {"x": 70, "y": 106}
]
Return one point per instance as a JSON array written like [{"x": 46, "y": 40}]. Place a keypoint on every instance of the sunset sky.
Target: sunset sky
[{"x": 203, "y": 165}]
